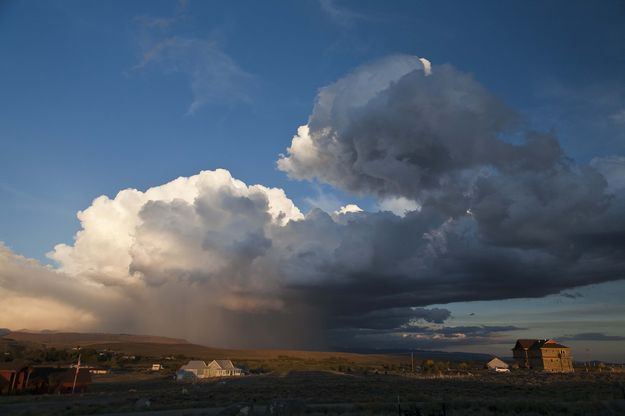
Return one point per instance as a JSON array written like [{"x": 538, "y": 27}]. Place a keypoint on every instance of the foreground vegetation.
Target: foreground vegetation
[
  {"x": 307, "y": 393},
  {"x": 309, "y": 383}
]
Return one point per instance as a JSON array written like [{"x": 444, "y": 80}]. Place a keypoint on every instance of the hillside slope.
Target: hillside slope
[{"x": 72, "y": 339}]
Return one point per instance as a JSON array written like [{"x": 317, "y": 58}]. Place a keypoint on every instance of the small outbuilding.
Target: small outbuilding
[{"x": 497, "y": 364}]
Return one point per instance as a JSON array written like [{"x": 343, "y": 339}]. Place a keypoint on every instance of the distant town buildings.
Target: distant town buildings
[
  {"x": 98, "y": 371},
  {"x": 199, "y": 369},
  {"x": 543, "y": 354}
]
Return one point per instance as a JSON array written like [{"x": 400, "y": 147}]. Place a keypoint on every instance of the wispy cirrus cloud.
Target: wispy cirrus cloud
[
  {"x": 339, "y": 13},
  {"x": 619, "y": 116},
  {"x": 213, "y": 75},
  {"x": 595, "y": 109},
  {"x": 165, "y": 22}
]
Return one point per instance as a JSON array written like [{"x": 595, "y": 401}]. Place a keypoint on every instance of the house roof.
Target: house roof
[
  {"x": 548, "y": 343},
  {"x": 497, "y": 362},
  {"x": 555, "y": 345},
  {"x": 526, "y": 344},
  {"x": 194, "y": 365},
  {"x": 225, "y": 364}
]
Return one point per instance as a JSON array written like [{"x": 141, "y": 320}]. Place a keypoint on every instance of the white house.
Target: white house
[
  {"x": 222, "y": 368},
  {"x": 157, "y": 367},
  {"x": 497, "y": 365},
  {"x": 199, "y": 369}
]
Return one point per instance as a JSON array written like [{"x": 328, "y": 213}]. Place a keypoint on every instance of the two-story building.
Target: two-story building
[{"x": 543, "y": 354}]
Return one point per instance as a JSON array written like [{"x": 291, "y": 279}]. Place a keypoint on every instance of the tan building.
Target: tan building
[
  {"x": 543, "y": 354},
  {"x": 222, "y": 368},
  {"x": 216, "y": 368}
]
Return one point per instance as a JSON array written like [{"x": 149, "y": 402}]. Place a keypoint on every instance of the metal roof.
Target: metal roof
[{"x": 194, "y": 365}]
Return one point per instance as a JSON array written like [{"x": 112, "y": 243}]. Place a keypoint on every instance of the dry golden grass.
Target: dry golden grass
[{"x": 153, "y": 346}]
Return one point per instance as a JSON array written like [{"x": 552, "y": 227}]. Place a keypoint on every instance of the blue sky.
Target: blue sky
[
  {"x": 81, "y": 122},
  {"x": 89, "y": 104}
]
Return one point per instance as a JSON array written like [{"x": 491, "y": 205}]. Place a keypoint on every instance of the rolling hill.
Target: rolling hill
[
  {"x": 157, "y": 346},
  {"x": 72, "y": 339}
]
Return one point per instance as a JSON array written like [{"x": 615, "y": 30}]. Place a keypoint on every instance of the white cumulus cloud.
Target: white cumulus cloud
[
  {"x": 116, "y": 235},
  {"x": 348, "y": 209}
]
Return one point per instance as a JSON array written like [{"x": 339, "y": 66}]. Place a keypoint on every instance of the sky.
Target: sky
[{"x": 316, "y": 174}]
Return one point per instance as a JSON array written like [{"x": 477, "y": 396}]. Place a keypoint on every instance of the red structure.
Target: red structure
[
  {"x": 64, "y": 381},
  {"x": 14, "y": 377},
  {"x": 19, "y": 378}
]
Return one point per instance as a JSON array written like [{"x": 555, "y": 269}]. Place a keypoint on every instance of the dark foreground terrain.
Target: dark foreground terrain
[{"x": 326, "y": 393}]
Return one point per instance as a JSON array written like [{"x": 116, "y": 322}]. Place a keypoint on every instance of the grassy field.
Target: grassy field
[
  {"x": 208, "y": 353},
  {"x": 301, "y": 383},
  {"x": 481, "y": 393},
  {"x": 41, "y": 348}
]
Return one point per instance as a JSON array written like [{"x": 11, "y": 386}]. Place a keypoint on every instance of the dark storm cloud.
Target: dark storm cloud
[
  {"x": 392, "y": 319},
  {"x": 379, "y": 261},
  {"x": 592, "y": 336},
  {"x": 413, "y": 134},
  {"x": 363, "y": 274},
  {"x": 571, "y": 295},
  {"x": 442, "y": 331},
  {"x": 503, "y": 213},
  {"x": 420, "y": 336},
  {"x": 557, "y": 209},
  {"x": 478, "y": 330}
]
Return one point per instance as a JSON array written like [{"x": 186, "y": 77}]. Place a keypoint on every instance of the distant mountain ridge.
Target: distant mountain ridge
[
  {"x": 159, "y": 345},
  {"x": 72, "y": 339},
  {"x": 424, "y": 354}
]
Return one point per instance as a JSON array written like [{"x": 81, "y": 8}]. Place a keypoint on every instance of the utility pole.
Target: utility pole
[
  {"x": 412, "y": 360},
  {"x": 77, "y": 370}
]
